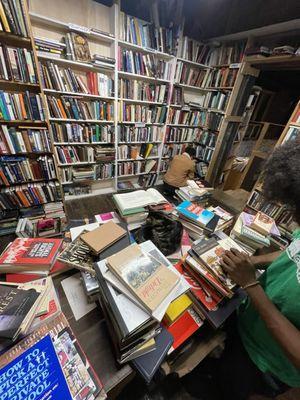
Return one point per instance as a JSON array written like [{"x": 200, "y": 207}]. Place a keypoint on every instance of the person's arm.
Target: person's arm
[
  {"x": 264, "y": 260},
  {"x": 241, "y": 270}
]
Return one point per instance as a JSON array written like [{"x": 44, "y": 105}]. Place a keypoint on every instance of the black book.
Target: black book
[
  {"x": 149, "y": 363},
  {"x": 35, "y": 108},
  {"x": 15, "y": 305},
  {"x": 15, "y": 16}
]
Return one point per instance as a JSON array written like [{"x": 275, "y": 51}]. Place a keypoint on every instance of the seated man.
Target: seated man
[
  {"x": 181, "y": 168},
  {"x": 262, "y": 354}
]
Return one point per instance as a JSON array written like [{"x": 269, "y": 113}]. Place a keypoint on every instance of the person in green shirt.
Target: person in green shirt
[
  {"x": 262, "y": 352},
  {"x": 269, "y": 320}
]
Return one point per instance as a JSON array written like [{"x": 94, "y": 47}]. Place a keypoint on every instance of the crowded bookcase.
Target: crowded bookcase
[
  {"x": 159, "y": 92},
  {"x": 28, "y": 170}
]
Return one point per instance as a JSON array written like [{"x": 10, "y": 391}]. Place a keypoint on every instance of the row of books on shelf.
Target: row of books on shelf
[
  {"x": 144, "y": 91},
  {"x": 207, "y": 138},
  {"x": 88, "y": 133},
  {"x": 66, "y": 80},
  {"x": 73, "y": 155},
  {"x": 136, "y": 167},
  {"x": 72, "y": 108},
  {"x": 175, "y": 134},
  {"x": 21, "y": 106},
  {"x": 204, "y": 153},
  {"x": 171, "y": 150},
  {"x": 145, "y": 150},
  {"x": 129, "y": 134},
  {"x": 92, "y": 173},
  {"x": 211, "y": 54},
  {"x": 17, "y": 170},
  {"x": 29, "y": 195},
  {"x": 141, "y": 113},
  {"x": 49, "y": 47},
  {"x": 24, "y": 140},
  {"x": 211, "y": 120},
  {"x": 13, "y": 19},
  {"x": 143, "y": 64},
  {"x": 17, "y": 64},
  {"x": 216, "y": 100},
  {"x": 205, "y": 78},
  {"x": 146, "y": 34}
]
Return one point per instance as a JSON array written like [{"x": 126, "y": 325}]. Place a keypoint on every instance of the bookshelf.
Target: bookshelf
[
  {"x": 208, "y": 75},
  {"x": 28, "y": 172}
]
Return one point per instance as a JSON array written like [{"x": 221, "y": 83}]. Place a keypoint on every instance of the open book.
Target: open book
[{"x": 138, "y": 198}]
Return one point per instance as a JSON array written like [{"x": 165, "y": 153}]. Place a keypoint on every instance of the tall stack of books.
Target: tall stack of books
[{"x": 254, "y": 231}]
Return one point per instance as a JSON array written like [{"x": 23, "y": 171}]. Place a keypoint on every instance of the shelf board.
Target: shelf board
[
  {"x": 208, "y": 109},
  {"x": 94, "y": 193},
  {"x": 296, "y": 124},
  {"x": 143, "y": 49},
  {"x": 186, "y": 126},
  {"x": 131, "y": 75},
  {"x": 148, "y": 141},
  {"x": 190, "y": 87},
  {"x": 96, "y": 121},
  {"x": 137, "y": 174},
  {"x": 180, "y": 141},
  {"x": 88, "y": 95},
  {"x": 30, "y": 153},
  {"x": 80, "y": 143},
  {"x": 217, "y": 88},
  {"x": 140, "y": 123},
  {"x": 76, "y": 64},
  {"x": 138, "y": 159},
  {"x": 142, "y": 101},
  {"x": 13, "y": 85},
  {"x": 76, "y": 163},
  {"x": 15, "y": 40},
  {"x": 23, "y": 122},
  {"x": 86, "y": 181},
  {"x": 28, "y": 182},
  {"x": 55, "y": 23},
  {"x": 199, "y": 65}
]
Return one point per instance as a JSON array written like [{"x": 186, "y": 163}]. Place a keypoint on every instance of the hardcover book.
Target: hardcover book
[
  {"x": 80, "y": 46},
  {"x": 29, "y": 254},
  {"x": 54, "y": 364},
  {"x": 147, "y": 278},
  {"x": 195, "y": 213},
  {"x": 78, "y": 255},
  {"x": 104, "y": 236},
  {"x": 15, "y": 305}
]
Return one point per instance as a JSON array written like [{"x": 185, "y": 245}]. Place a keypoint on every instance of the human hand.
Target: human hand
[{"x": 238, "y": 266}]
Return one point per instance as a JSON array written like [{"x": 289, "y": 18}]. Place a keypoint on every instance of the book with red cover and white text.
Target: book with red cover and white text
[{"x": 29, "y": 254}]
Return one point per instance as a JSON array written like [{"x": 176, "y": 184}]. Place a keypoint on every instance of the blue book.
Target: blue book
[
  {"x": 48, "y": 364},
  {"x": 195, "y": 213},
  {"x": 3, "y": 107}
]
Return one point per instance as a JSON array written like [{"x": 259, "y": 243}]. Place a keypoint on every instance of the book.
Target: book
[
  {"x": 177, "y": 307},
  {"x": 78, "y": 255},
  {"x": 187, "y": 324},
  {"x": 138, "y": 199},
  {"x": 29, "y": 254},
  {"x": 53, "y": 362},
  {"x": 146, "y": 277},
  {"x": 15, "y": 306},
  {"x": 106, "y": 217},
  {"x": 195, "y": 213},
  {"x": 104, "y": 236},
  {"x": 262, "y": 223},
  {"x": 80, "y": 45}
]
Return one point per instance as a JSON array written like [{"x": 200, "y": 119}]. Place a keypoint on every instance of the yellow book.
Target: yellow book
[
  {"x": 148, "y": 151},
  {"x": 4, "y": 19},
  {"x": 177, "y": 307}
]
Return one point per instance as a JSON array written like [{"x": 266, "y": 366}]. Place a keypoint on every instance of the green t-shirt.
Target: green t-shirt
[{"x": 281, "y": 283}]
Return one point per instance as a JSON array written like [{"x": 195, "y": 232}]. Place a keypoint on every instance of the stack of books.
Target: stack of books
[
  {"x": 137, "y": 285},
  {"x": 193, "y": 192},
  {"x": 210, "y": 286},
  {"x": 253, "y": 232},
  {"x": 196, "y": 219},
  {"x": 49, "y": 47},
  {"x": 132, "y": 207},
  {"x": 103, "y": 61}
]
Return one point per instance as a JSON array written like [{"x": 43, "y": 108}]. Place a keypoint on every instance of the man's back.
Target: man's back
[{"x": 181, "y": 168}]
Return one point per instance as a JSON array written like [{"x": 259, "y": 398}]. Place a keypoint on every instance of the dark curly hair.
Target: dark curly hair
[{"x": 282, "y": 176}]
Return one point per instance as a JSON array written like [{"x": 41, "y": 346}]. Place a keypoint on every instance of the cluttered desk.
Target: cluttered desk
[{"x": 137, "y": 291}]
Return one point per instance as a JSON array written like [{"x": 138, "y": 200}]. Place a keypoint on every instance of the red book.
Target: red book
[
  {"x": 22, "y": 278},
  {"x": 29, "y": 254},
  {"x": 200, "y": 288},
  {"x": 183, "y": 328},
  {"x": 58, "y": 268}
]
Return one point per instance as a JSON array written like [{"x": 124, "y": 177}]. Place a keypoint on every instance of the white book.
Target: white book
[
  {"x": 139, "y": 198},
  {"x": 21, "y": 142},
  {"x": 8, "y": 139}
]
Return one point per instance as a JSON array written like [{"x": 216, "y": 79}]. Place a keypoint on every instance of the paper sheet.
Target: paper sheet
[
  {"x": 76, "y": 297},
  {"x": 78, "y": 229}
]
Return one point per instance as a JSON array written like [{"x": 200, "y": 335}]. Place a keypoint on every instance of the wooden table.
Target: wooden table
[{"x": 93, "y": 336}]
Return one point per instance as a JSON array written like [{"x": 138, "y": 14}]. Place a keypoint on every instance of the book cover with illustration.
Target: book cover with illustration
[
  {"x": 194, "y": 212},
  {"x": 54, "y": 365},
  {"x": 35, "y": 253}
]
